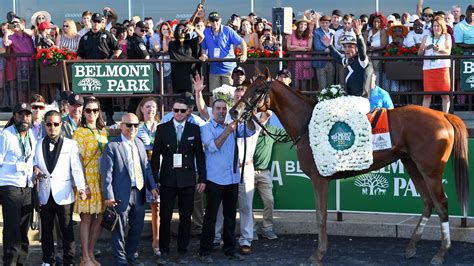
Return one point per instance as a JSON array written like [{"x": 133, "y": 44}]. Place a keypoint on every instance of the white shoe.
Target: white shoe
[{"x": 45, "y": 264}]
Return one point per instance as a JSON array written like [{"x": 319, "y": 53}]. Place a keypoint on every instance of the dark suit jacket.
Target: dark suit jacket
[
  {"x": 115, "y": 172},
  {"x": 190, "y": 147}
]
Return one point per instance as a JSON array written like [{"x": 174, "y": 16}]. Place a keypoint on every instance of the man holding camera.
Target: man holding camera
[{"x": 57, "y": 160}]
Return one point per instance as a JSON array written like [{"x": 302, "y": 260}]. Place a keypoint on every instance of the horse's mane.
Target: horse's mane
[{"x": 299, "y": 94}]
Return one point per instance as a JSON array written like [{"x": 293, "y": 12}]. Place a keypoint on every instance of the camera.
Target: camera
[
  {"x": 267, "y": 38},
  {"x": 11, "y": 26},
  {"x": 107, "y": 13}
]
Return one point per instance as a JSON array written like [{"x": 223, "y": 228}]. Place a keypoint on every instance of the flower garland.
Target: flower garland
[
  {"x": 52, "y": 56},
  {"x": 348, "y": 110},
  {"x": 334, "y": 91},
  {"x": 224, "y": 92}
]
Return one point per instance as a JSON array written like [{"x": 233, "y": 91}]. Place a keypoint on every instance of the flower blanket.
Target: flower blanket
[{"x": 340, "y": 135}]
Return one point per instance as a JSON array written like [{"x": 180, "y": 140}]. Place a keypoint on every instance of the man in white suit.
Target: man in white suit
[{"x": 57, "y": 168}]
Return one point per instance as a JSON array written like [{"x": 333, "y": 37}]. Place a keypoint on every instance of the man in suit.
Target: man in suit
[
  {"x": 56, "y": 161},
  {"x": 125, "y": 172},
  {"x": 179, "y": 144}
]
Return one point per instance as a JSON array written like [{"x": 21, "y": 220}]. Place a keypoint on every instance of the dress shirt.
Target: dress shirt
[
  {"x": 11, "y": 155},
  {"x": 193, "y": 119},
  {"x": 220, "y": 161},
  {"x": 128, "y": 152}
]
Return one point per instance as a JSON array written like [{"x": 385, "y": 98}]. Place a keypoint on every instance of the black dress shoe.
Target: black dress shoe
[
  {"x": 234, "y": 256},
  {"x": 181, "y": 260},
  {"x": 206, "y": 259},
  {"x": 163, "y": 259},
  {"x": 245, "y": 250}
]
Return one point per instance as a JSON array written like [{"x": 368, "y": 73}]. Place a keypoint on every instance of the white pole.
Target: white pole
[
  {"x": 129, "y": 9},
  {"x": 14, "y": 6},
  {"x": 376, "y": 5},
  {"x": 251, "y": 6}
]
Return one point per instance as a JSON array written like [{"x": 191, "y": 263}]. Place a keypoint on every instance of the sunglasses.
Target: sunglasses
[
  {"x": 176, "y": 110},
  {"x": 65, "y": 26},
  {"x": 143, "y": 30},
  {"x": 35, "y": 107},
  {"x": 129, "y": 125},
  {"x": 89, "y": 110},
  {"x": 97, "y": 21},
  {"x": 50, "y": 124}
]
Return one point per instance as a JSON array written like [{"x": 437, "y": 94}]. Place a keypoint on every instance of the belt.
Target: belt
[{"x": 246, "y": 163}]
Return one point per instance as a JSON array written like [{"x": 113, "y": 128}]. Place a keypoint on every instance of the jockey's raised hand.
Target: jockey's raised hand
[
  {"x": 198, "y": 83},
  {"x": 357, "y": 26}
]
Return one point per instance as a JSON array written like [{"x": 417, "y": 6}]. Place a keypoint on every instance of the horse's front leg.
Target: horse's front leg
[{"x": 321, "y": 186}]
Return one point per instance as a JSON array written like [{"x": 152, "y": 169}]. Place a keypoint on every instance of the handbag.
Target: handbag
[{"x": 110, "y": 219}]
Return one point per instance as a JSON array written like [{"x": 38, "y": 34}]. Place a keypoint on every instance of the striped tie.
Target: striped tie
[{"x": 137, "y": 168}]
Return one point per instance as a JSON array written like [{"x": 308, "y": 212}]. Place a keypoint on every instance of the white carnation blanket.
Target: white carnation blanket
[{"x": 348, "y": 112}]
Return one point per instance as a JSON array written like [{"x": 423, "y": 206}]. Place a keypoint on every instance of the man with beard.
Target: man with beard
[{"x": 17, "y": 148}]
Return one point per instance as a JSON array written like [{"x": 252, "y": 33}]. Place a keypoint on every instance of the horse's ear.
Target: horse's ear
[
  {"x": 267, "y": 74},
  {"x": 257, "y": 71}
]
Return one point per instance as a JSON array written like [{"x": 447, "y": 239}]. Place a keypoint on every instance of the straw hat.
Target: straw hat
[
  {"x": 390, "y": 30},
  {"x": 39, "y": 13},
  {"x": 303, "y": 19}
]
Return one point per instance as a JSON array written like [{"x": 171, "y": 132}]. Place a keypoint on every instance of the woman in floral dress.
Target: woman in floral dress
[{"x": 91, "y": 137}]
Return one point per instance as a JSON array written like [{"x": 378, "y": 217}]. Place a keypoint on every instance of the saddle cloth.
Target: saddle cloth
[{"x": 379, "y": 121}]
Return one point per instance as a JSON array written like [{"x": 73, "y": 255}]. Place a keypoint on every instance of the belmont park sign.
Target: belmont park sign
[{"x": 112, "y": 78}]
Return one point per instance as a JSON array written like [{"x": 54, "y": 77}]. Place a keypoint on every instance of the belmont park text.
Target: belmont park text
[{"x": 110, "y": 78}]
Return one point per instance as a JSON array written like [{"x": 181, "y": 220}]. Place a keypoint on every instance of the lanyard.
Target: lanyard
[
  {"x": 24, "y": 147},
  {"x": 73, "y": 124},
  {"x": 150, "y": 132},
  {"x": 97, "y": 138}
]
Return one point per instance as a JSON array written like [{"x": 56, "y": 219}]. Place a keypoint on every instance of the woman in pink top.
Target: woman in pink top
[{"x": 301, "y": 41}]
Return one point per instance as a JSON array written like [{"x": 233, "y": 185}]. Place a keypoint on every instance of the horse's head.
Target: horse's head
[{"x": 255, "y": 98}]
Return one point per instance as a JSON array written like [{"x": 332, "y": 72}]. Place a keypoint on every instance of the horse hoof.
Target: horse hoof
[
  {"x": 437, "y": 260},
  {"x": 410, "y": 253}
]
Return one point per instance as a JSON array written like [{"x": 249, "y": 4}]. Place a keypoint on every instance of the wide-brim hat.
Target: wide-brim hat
[
  {"x": 391, "y": 29},
  {"x": 303, "y": 19},
  {"x": 35, "y": 15}
]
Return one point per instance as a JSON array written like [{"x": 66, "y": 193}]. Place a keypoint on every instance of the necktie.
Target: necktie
[
  {"x": 137, "y": 168},
  {"x": 148, "y": 43},
  {"x": 179, "y": 132}
]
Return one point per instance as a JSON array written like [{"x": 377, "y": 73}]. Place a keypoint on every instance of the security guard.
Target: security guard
[
  {"x": 100, "y": 44},
  {"x": 136, "y": 49}
]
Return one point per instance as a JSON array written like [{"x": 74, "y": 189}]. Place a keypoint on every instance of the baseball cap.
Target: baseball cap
[
  {"x": 75, "y": 99},
  {"x": 65, "y": 95},
  {"x": 337, "y": 12},
  {"x": 140, "y": 24},
  {"x": 284, "y": 72},
  {"x": 214, "y": 16},
  {"x": 238, "y": 69},
  {"x": 22, "y": 107},
  {"x": 189, "y": 99},
  {"x": 44, "y": 25},
  {"x": 97, "y": 17},
  {"x": 391, "y": 18}
]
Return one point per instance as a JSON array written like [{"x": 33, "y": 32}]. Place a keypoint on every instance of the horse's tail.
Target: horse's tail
[{"x": 461, "y": 169}]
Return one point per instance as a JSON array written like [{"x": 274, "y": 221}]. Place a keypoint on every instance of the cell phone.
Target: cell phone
[
  {"x": 429, "y": 47},
  {"x": 203, "y": 2}
]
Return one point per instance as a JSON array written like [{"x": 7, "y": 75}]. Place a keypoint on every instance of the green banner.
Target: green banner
[
  {"x": 467, "y": 74},
  {"x": 112, "y": 78},
  {"x": 388, "y": 190}
]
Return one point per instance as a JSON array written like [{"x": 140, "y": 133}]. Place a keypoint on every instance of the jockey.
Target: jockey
[{"x": 357, "y": 65}]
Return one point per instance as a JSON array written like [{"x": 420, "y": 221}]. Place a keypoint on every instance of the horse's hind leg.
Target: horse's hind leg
[
  {"x": 441, "y": 206},
  {"x": 421, "y": 187},
  {"x": 320, "y": 186}
]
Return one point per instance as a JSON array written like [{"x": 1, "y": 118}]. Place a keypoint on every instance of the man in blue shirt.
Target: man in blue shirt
[
  {"x": 324, "y": 69},
  {"x": 220, "y": 42},
  {"x": 17, "y": 150},
  {"x": 223, "y": 178},
  {"x": 379, "y": 98}
]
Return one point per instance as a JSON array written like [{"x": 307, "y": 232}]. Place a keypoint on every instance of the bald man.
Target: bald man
[{"x": 125, "y": 174}]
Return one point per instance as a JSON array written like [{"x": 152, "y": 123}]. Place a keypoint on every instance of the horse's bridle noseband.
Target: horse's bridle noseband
[{"x": 250, "y": 108}]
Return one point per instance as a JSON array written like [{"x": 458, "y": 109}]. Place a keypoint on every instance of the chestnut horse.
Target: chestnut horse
[{"x": 422, "y": 139}]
